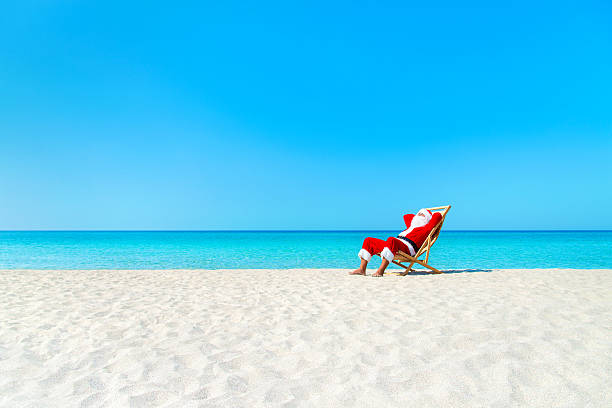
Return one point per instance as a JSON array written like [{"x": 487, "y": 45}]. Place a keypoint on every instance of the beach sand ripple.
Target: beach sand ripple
[{"x": 302, "y": 338}]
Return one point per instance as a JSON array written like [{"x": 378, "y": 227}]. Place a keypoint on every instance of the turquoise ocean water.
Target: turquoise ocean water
[{"x": 316, "y": 249}]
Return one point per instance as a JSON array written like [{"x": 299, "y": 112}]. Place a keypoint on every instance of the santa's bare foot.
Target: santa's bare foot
[
  {"x": 378, "y": 274},
  {"x": 357, "y": 271}
]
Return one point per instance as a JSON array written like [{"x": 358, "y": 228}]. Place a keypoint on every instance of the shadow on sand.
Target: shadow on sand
[{"x": 446, "y": 271}]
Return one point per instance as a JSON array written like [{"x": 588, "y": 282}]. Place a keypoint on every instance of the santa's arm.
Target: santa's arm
[
  {"x": 435, "y": 219},
  {"x": 408, "y": 219}
]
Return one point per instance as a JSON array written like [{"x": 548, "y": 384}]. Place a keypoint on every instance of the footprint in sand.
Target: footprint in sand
[{"x": 237, "y": 384}]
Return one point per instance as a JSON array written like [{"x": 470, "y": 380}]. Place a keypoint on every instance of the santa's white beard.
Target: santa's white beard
[
  {"x": 417, "y": 221},
  {"x": 420, "y": 219}
]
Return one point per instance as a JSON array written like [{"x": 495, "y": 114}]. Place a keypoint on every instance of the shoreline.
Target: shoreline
[
  {"x": 305, "y": 337},
  {"x": 371, "y": 269}
]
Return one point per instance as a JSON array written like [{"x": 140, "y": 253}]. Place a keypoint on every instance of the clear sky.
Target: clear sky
[{"x": 304, "y": 115}]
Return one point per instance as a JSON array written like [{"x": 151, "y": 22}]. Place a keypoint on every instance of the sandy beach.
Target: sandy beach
[{"x": 232, "y": 338}]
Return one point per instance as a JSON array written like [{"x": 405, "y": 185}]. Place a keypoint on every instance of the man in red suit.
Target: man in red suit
[{"x": 409, "y": 241}]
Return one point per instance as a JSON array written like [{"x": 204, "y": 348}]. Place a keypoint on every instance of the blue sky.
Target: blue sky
[{"x": 304, "y": 115}]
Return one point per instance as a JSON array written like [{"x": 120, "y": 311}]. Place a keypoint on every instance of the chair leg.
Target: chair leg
[
  {"x": 434, "y": 270},
  {"x": 406, "y": 270}
]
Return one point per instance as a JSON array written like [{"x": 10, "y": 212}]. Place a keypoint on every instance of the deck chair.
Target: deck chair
[{"x": 402, "y": 258}]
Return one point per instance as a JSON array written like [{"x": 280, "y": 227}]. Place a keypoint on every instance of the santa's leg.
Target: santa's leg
[
  {"x": 371, "y": 246},
  {"x": 392, "y": 245},
  {"x": 381, "y": 268},
  {"x": 362, "y": 268}
]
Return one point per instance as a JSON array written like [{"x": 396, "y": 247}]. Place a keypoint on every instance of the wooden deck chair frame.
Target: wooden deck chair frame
[{"x": 401, "y": 257}]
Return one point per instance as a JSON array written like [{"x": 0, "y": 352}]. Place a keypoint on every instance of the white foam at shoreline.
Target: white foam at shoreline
[{"x": 305, "y": 338}]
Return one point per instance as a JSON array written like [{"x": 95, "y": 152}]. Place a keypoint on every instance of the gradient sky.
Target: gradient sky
[{"x": 304, "y": 115}]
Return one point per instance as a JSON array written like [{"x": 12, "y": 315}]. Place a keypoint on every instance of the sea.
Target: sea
[{"x": 454, "y": 250}]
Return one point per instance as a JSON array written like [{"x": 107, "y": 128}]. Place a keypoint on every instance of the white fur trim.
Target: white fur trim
[
  {"x": 387, "y": 254},
  {"x": 410, "y": 248},
  {"x": 365, "y": 255}
]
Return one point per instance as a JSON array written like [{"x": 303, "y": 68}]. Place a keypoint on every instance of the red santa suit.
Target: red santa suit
[{"x": 410, "y": 240}]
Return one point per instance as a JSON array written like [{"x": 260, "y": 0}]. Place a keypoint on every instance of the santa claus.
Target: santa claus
[{"x": 409, "y": 241}]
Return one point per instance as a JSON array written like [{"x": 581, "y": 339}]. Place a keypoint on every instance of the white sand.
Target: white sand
[{"x": 536, "y": 338}]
